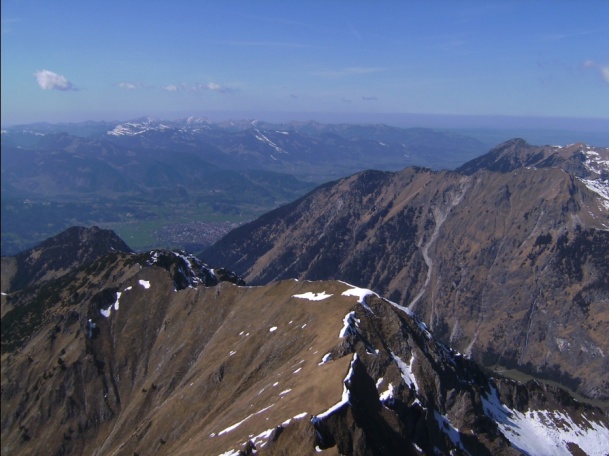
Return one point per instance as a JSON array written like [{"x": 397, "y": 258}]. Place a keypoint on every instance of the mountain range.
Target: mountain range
[
  {"x": 157, "y": 353},
  {"x": 146, "y": 176},
  {"x": 506, "y": 258},
  {"x": 415, "y": 311}
]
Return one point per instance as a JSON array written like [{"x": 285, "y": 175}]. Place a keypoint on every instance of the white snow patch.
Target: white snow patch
[
  {"x": 285, "y": 392},
  {"x": 301, "y": 416},
  {"x": 298, "y": 370},
  {"x": 387, "y": 395},
  {"x": 449, "y": 430},
  {"x": 236, "y": 425},
  {"x": 406, "y": 370},
  {"x": 345, "y": 397},
  {"x": 273, "y": 329},
  {"x": 106, "y": 312},
  {"x": 325, "y": 359},
  {"x": 601, "y": 188},
  {"x": 349, "y": 325},
  {"x": 144, "y": 283},
  {"x": 232, "y": 353},
  {"x": 545, "y": 432},
  {"x": 360, "y": 293},
  {"x": 128, "y": 288},
  {"x": 313, "y": 296}
]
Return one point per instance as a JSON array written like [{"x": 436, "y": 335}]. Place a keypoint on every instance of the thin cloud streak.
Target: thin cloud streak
[{"x": 349, "y": 71}]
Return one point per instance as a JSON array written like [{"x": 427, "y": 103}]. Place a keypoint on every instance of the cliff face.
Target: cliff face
[
  {"x": 507, "y": 260},
  {"x": 125, "y": 362}
]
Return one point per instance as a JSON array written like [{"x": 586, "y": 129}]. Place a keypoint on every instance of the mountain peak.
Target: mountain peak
[
  {"x": 579, "y": 159},
  {"x": 56, "y": 256}
]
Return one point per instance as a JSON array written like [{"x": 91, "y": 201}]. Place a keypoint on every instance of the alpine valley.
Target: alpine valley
[{"x": 186, "y": 183}]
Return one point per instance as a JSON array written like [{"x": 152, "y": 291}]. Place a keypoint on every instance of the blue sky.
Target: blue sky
[{"x": 333, "y": 60}]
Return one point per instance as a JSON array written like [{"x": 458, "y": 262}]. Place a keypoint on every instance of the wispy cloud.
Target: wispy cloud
[
  {"x": 48, "y": 80},
  {"x": 130, "y": 85},
  {"x": 200, "y": 87},
  {"x": 349, "y": 71},
  {"x": 284, "y": 44},
  {"x": 568, "y": 35},
  {"x": 602, "y": 69},
  {"x": 369, "y": 98}
]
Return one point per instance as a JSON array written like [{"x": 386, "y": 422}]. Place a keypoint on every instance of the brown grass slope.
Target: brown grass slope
[
  {"x": 510, "y": 264},
  {"x": 206, "y": 370}
]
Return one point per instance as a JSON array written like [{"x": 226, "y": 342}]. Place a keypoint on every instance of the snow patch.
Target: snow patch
[
  {"x": 345, "y": 397},
  {"x": 327, "y": 357},
  {"x": 545, "y": 432},
  {"x": 273, "y": 329},
  {"x": 601, "y": 188},
  {"x": 360, "y": 293},
  {"x": 313, "y": 296},
  {"x": 349, "y": 325},
  {"x": 449, "y": 430},
  {"x": 144, "y": 283},
  {"x": 387, "y": 395},
  {"x": 406, "y": 370},
  {"x": 106, "y": 312},
  {"x": 236, "y": 425}
]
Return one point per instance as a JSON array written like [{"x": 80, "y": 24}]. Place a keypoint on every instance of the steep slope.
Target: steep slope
[
  {"x": 511, "y": 267},
  {"x": 56, "y": 256},
  {"x": 135, "y": 365}
]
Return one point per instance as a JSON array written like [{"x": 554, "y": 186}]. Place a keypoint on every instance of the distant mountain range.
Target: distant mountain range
[
  {"x": 107, "y": 351},
  {"x": 143, "y": 176},
  {"x": 506, "y": 258},
  {"x": 308, "y": 150}
]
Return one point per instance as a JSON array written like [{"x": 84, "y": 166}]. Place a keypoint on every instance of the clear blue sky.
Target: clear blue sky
[{"x": 79, "y": 60}]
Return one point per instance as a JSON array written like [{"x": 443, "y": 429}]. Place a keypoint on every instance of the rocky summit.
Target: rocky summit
[
  {"x": 156, "y": 353},
  {"x": 506, "y": 258}
]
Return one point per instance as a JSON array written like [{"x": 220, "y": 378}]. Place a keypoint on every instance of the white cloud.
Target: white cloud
[
  {"x": 171, "y": 88},
  {"x": 127, "y": 85},
  {"x": 48, "y": 80},
  {"x": 199, "y": 86},
  {"x": 605, "y": 73},
  {"x": 602, "y": 69}
]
